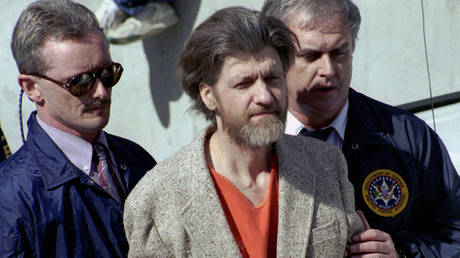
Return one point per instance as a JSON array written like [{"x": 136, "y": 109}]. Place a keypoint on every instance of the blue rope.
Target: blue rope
[{"x": 20, "y": 116}]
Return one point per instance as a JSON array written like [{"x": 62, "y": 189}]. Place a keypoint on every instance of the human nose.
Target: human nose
[
  {"x": 263, "y": 93},
  {"x": 326, "y": 66},
  {"x": 100, "y": 91}
]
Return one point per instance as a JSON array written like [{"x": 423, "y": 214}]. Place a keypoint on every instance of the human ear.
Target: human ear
[
  {"x": 207, "y": 96},
  {"x": 29, "y": 86}
]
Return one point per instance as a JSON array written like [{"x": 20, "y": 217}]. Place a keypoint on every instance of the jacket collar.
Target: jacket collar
[
  {"x": 297, "y": 187},
  {"x": 204, "y": 216},
  {"x": 203, "y": 213},
  {"x": 131, "y": 165},
  {"x": 56, "y": 170},
  {"x": 53, "y": 166},
  {"x": 362, "y": 127}
]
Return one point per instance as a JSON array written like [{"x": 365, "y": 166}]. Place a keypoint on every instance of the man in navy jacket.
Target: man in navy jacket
[
  {"x": 404, "y": 180},
  {"x": 58, "y": 197}
]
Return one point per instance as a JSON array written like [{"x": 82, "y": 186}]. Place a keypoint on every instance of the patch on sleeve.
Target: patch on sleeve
[{"x": 385, "y": 192}]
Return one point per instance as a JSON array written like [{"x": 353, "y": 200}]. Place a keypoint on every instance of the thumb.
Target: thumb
[{"x": 363, "y": 219}]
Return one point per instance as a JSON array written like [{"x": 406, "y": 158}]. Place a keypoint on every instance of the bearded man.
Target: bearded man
[{"x": 242, "y": 188}]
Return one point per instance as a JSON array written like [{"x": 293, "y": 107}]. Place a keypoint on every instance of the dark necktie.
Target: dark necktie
[
  {"x": 322, "y": 134},
  {"x": 106, "y": 178}
]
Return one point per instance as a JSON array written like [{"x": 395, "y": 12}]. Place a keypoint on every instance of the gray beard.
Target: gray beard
[{"x": 256, "y": 136}]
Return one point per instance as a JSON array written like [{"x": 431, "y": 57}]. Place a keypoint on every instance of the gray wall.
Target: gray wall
[{"x": 149, "y": 107}]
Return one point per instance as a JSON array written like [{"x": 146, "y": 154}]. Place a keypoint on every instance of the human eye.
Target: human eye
[
  {"x": 76, "y": 79},
  {"x": 242, "y": 84},
  {"x": 339, "y": 53},
  {"x": 274, "y": 77},
  {"x": 81, "y": 79},
  {"x": 310, "y": 56}
]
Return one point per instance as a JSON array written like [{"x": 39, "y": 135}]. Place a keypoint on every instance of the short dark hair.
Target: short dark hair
[
  {"x": 48, "y": 20},
  {"x": 229, "y": 32},
  {"x": 316, "y": 14}
]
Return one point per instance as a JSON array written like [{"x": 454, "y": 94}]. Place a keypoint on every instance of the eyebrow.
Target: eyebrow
[
  {"x": 306, "y": 51},
  {"x": 251, "y": 77},
  {"x": 273, "y": 72},
  {"x": 239, "y": 79}
]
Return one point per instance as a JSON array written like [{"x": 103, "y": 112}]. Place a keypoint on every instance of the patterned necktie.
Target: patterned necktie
[
  {"x": 322, "y": 134},
  {"x": 105, "y": 176}
]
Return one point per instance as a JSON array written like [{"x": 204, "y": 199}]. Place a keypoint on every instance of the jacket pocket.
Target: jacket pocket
[{"x": 325, "y": 241}]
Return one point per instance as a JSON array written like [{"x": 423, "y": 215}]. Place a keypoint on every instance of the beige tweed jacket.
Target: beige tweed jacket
[{"x": 174, "y": 211}]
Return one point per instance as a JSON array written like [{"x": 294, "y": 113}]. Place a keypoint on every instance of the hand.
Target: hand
[{"x": 371, "y": 242}]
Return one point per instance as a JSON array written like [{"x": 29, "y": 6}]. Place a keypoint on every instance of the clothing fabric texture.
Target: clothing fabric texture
[
  {"x": 385, "y": 138},
  {"x": 175, "y": 211},
  {"x": 254, "y": 227},
  {"x": 50, "y": 208},
  {"x": 5, "y": 151},
  {"x": 133, "y": 7}
]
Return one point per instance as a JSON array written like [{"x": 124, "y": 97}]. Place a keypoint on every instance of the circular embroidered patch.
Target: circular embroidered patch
[{"x": 385, "y": 192}]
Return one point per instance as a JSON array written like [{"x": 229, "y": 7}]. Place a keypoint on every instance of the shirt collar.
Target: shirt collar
[
  {"x": 340, "y": 122},
  {"x": 293, "y": 125},
  {"x": 77, "y": 150}
]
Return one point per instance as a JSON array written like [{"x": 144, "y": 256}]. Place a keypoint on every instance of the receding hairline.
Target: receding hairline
[
  {"x": 323, "y": 25},
  {"x": 87, "y": 37}
]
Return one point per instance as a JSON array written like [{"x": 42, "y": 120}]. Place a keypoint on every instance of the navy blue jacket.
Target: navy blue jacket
[
  {"x": 404, "y": 180},
  {"x": 50, "y": 208}
]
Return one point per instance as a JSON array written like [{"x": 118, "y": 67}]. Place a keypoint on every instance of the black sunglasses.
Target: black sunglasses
[{"x": 80, "y": 84}]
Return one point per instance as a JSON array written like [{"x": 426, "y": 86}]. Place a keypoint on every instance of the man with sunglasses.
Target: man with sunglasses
[{"x": 62, "y": 192}]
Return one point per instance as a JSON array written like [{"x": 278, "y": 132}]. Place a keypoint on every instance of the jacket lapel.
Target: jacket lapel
[
  {"x": 52, "y": 164},
  {"x": 296, "y": 201},
  {"x": 131, "y": 166},
  {"x": 206, "y": 224},
  {"x": 204, "y": 219}
]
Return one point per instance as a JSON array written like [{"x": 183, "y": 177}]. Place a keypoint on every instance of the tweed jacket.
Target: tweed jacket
[{"x": 174, "y": 211}]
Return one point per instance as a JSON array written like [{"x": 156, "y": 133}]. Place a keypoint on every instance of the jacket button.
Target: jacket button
[
  {"x": 123, "y": 166},
  {"x": 354, "y": 146}
]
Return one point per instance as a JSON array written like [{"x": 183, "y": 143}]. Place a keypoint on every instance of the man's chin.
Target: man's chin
[
  {"x": 96, "y": 115},
  {"x": 266, "y": 121},
  {"x": 95, "y": 124},
  {"x": 263, "y": 132}
]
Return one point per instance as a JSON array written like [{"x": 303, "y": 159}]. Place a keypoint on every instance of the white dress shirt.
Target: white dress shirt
[{"x": 294, "y": 126}]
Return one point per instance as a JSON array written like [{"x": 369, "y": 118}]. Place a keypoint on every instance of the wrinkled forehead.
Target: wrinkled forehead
[
  {"x": 324, "y": 20},
  {"x": 263, "y": 61},
  {"x": 76, "y": 54}
]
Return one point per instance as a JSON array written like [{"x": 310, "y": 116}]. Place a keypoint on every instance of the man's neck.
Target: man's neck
[
  {"x": 247, "y": 168},
  {"x": 49, "y": 120}
]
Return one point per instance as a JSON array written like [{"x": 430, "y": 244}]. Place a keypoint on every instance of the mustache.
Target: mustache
[
  {"x": 324, "y": 84},
  {"x": 319, "y": 86},
  {"x": 268, "y": 108},
  {"x": 97, "y": 103}
]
